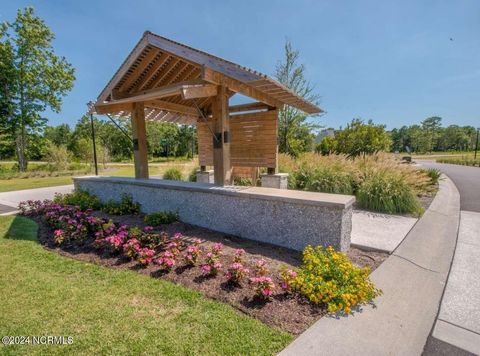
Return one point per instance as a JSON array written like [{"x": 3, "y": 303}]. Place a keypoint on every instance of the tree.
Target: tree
[
  {"x": 360, "y": 138},
  {"x": 326, "y": 146},
  {"x": 36, "y": 78},
  {"x": 292, "y": 123},
  {"x": 59, "y": 135},
  {"x": 431, "y": 127}
]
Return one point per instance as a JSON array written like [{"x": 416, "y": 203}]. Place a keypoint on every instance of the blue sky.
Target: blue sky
[{"x": 390, "y": 61}]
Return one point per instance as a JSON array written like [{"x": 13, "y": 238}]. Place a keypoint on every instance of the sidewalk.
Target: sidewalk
[
  {"x": 412, "y": 279},
  {"x": 458, "y": 322},
  {"x": 11, "y": 199}
]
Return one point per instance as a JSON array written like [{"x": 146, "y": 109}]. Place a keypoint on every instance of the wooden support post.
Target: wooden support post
[
  {"x": 140, "y": 155},
  {"x": 222, "y": 168},
  {"x": 276, "y": 151}
]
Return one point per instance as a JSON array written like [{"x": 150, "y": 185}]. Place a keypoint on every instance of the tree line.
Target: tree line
[
  {"x": 113, "y": 144},
  {"x": 431, "y": 136}
]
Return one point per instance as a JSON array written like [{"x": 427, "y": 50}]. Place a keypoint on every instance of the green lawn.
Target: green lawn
[
  {"x": 8, "y": 185},
  {"x": 109, "y": 311}
]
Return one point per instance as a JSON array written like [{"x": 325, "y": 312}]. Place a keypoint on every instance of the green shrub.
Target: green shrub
[
  {"x": 433, "y": 174},
  {"x": 173, "y": 174},
  {"x": 325, "y": 179},
  {"x": 125, "y": 206},
  {"x": 79, "y": 198},
  {"x": 329, "y": 277},
  {"x": 192, "y": 177},
  {"x": 161, "y": 217},
  {"x": 463, "y": 161},
  {"x": 57, "y": 156},
  {"x": 389, "y": 193},
  {"x": 242, "y": 181}
]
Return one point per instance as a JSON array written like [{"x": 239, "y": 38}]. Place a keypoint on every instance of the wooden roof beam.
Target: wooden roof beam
[
  {"x": 171, "y": 107},
  {"x": 217, "y": 78},
  {"x": 198, "y": 91},
  {"x": 110, "y": 108},
  {"x": 249, "y": 107}
]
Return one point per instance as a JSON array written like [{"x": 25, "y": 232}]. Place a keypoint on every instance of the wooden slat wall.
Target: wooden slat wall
[{"x": 253, "y": 140}]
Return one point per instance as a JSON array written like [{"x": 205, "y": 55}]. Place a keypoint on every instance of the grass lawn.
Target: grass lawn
[
  {"x": 109, "y": 311},
  {"x": 439, "y": 155},
  {"x": 8, "y": 185}
]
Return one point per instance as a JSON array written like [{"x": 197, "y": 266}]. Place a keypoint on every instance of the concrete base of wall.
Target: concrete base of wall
[
  {"x": 205, "y": 177},
  {"x": 287, "y": 218},
  {"x": 278, "y": 180}
]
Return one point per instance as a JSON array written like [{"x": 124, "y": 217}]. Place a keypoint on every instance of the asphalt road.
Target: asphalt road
[{"x": 467, "y": 180}]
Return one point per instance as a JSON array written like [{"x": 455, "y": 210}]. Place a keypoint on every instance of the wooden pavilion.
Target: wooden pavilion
[{"x": 167, "y": 81}]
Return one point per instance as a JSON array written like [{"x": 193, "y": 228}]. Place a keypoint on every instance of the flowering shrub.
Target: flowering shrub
[
  {"x": 238, "y": 255},
  {"x": 152, "y": 239},
  {"x": 217, "y": 248},
  {"x": 288, "y": 278},
  {"x": 73, "y": 225},
  {"x": 131, "y": 248},
  {"x": 260, "y": 268},
  {"x": 236, "y": 272},
  {"x": 111, "y": 236},
  {"x": 125, "y": 206},
  {"x": 33, "y": 207},
  {"x": 79, "y": 198},
  {"x": 329, "y": 277},
  {"x": 145, "y": 256},
  {"x": 166, "y": 260},
  {"x": 212, "y": 261},
  {"x": 263, "y": 287},
  {"x": 192, "y": 253},
  {"x": 58, "y": 236}
]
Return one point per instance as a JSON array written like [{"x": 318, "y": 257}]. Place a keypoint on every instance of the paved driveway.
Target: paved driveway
[{"x": 467, "y": 180}]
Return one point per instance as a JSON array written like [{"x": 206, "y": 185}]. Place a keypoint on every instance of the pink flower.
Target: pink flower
[
  {"x": 147, "y": 229},
  {"x": 267, "y": 292},
  {"x": 217, "y": 247},
  {"x": 206, "y": 269}
]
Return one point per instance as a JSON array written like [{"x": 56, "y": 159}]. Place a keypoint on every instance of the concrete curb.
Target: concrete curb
[{"x": 412, "y": 279}]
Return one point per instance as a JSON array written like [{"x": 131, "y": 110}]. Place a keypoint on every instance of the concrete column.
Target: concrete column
[
  {"x": 140, "y": 154},
  {"x": 205, "y": 176},
  {"x": 278, "y": 180}
]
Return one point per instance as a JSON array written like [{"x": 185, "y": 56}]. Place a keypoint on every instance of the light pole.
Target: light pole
[{"x": 476, "y": 143}]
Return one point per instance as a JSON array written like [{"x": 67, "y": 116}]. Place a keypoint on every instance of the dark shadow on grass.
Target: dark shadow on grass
[{"x": 21, "y": 228}]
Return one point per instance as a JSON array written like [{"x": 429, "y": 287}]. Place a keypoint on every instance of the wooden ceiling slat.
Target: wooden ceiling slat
[
  {"x": 151, "y": 72},
  {"x": 170, "y": 78},
  {"x": 165, "y": 72},
  {"x": 133, "y": 76}
]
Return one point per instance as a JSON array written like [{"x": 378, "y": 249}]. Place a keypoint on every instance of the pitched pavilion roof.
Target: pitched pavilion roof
[{"x": 157, "y": 62}]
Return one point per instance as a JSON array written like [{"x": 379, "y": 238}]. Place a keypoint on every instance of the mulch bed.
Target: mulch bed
[{"x": 285, "y": 312}]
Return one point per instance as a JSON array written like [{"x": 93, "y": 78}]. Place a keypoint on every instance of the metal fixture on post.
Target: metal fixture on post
[
  {"x": 476, "y": 143},
  {"x": 94, "y": 147}
]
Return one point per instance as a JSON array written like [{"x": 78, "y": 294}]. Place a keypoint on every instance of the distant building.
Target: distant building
[{"x": 325, "y": 133}]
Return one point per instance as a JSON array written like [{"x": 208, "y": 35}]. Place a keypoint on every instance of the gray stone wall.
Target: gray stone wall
[{"x": 281, "y": 217}]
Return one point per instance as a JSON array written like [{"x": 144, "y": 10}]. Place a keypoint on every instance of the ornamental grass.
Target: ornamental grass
[{"x": 380, "y": 182}]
